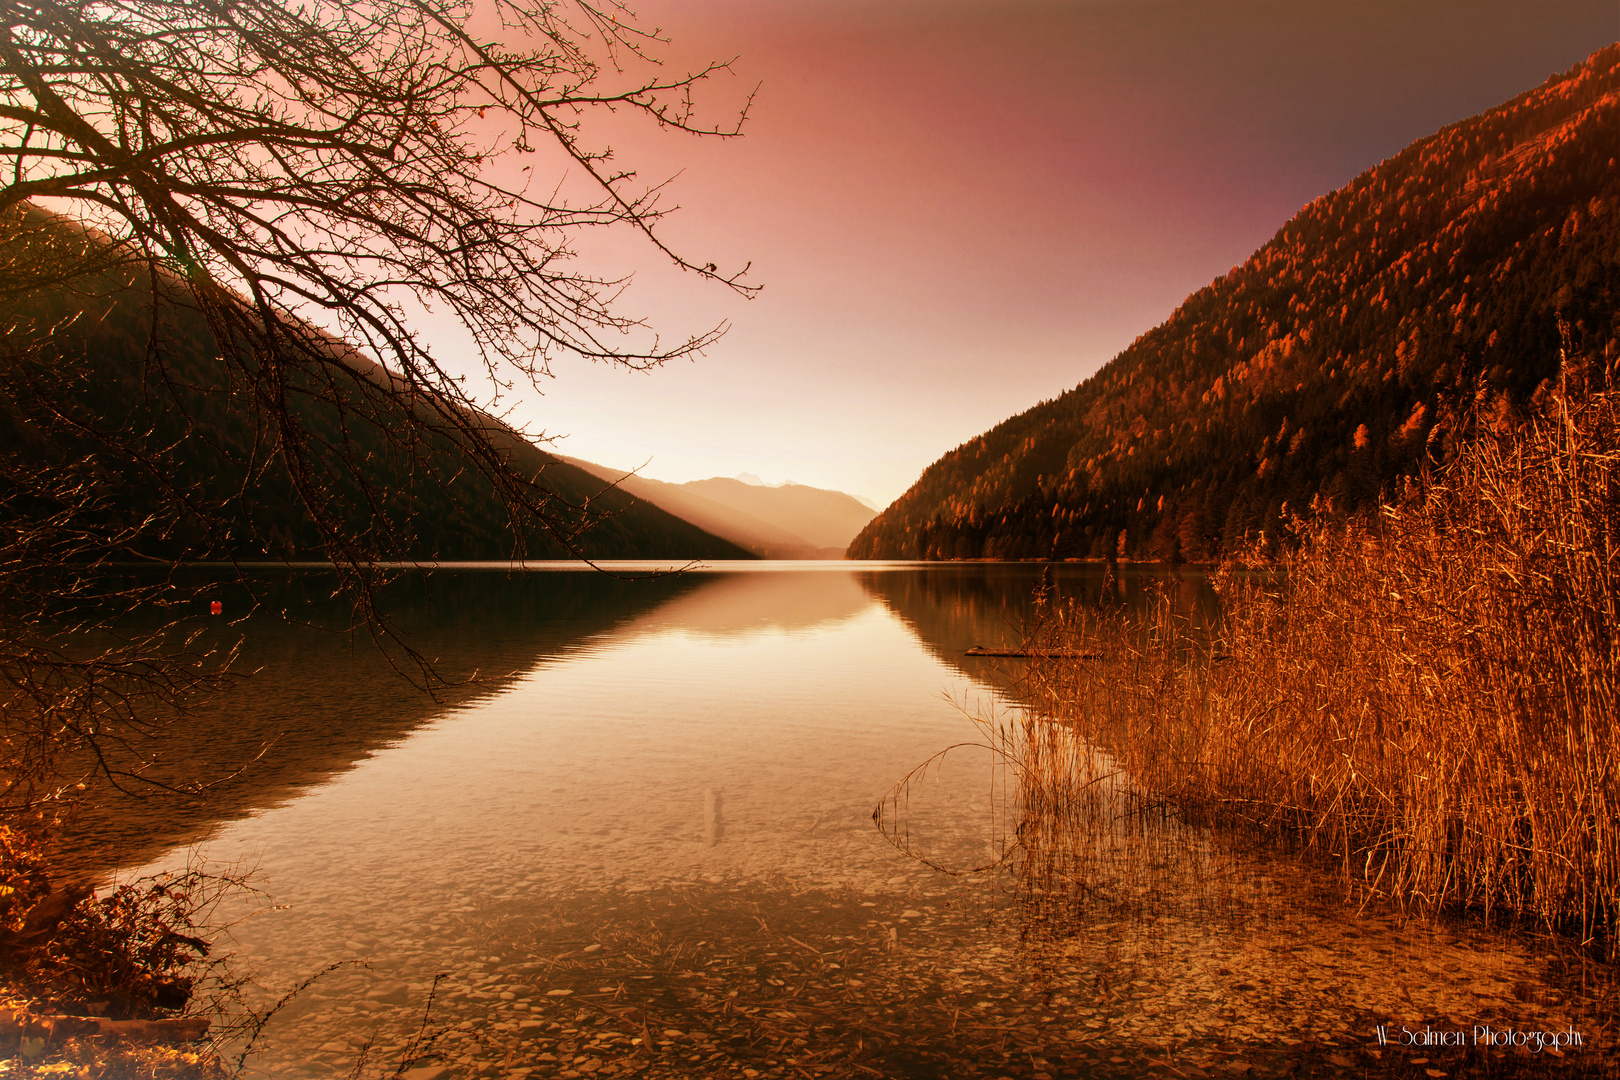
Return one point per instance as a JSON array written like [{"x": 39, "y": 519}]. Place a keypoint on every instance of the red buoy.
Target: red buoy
[{"x": 215, "y": 607}]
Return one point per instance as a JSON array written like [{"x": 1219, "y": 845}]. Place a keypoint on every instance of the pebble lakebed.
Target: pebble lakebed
[{"x": 930, "y": 976}]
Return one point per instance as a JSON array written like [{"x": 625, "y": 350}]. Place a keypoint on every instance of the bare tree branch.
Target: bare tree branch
[{"x": 287, "y": 177}]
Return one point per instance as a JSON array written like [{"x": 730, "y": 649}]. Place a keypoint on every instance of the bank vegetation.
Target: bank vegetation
[{"x": 1425, "y": 696}]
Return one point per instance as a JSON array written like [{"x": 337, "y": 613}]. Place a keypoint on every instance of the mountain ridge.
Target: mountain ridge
[
  {"x": 128, "y": 392},
  {"x": 1349, "y": 350}
]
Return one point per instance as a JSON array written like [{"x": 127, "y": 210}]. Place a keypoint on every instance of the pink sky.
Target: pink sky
[{"x": 958, "y": 208}]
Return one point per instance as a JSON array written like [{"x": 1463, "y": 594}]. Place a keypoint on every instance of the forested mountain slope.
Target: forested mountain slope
[
  {"x": 125, "y": 417},
  {"x": 1356, "y": 345}
]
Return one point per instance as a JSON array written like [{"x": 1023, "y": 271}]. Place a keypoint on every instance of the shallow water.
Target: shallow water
[{"x": 643, "y": 845}]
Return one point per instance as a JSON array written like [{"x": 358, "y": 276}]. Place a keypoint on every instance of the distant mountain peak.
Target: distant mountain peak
[{"x": 779, "y": 521}]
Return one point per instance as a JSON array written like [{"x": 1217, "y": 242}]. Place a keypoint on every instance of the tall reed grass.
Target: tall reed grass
[
  {"x": 1079, "y": 839},
  {"x": 1427, "y": 695}
]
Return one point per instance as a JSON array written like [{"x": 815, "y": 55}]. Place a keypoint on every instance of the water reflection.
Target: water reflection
[
  {"x": 647, "y": 845},
  {"x": 319, "y": 697},
  {"x": 322, "y": 696},
  {"x": 738, "y": 604},
  {"x": 952, "y": 607}
]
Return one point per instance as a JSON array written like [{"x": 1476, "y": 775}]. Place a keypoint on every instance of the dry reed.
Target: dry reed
[
  {"x": 1428, "y": 695},
  {"x": 1077, "y": 836}
]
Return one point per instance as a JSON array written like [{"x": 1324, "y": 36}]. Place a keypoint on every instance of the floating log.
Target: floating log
[
  {"x": 1044, "y": 654},
  {"x": 175, "y": 1030}
]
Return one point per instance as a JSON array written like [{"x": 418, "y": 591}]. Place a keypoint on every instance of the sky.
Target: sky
[{"x": 956, "y": 209}]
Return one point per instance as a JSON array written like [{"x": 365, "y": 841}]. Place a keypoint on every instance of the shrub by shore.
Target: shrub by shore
[{"x": 97, "y": 984}]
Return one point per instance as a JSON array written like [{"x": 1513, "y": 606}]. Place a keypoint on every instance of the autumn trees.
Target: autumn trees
[{"x": 1348, "y": 352}]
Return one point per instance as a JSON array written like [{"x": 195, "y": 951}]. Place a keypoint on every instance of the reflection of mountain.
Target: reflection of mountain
[
  {"x": 724, "y": 605},
  {"x": 792, "y": 521},
  {"x": 953, "y": 607},
  {"x": 325, "y": 701}
]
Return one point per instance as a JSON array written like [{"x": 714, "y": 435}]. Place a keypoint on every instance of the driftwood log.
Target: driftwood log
[
  {"x": 20, "y": 1022},
  {"x": 1052, "y": 654}
]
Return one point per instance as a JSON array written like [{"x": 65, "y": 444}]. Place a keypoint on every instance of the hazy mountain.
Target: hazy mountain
[
  {"x": 825, "y": 519},
  {"x": 1359, "y": 343},
  {"x": 146, "y": 409},
  {"x": 784, "y": 521}
]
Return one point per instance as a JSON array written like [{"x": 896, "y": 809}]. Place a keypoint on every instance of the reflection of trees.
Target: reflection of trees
[{"x": 953, "y": 607}]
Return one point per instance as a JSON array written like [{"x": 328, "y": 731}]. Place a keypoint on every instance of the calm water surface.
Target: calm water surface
[{"x": 642, "y": 844}]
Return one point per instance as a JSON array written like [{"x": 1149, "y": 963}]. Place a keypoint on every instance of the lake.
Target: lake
[{"x": 634, "y": 835}]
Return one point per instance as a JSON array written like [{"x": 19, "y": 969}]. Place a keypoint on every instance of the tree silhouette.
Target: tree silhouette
[{"x": 293, "y": 178}]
